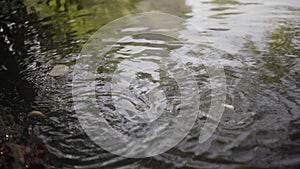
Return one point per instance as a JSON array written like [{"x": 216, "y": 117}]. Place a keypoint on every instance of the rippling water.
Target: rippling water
[{"x": 258, "y": 43}]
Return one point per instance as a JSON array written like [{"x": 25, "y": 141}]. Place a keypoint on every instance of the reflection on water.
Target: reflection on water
[{"x": 258, "y": 42}]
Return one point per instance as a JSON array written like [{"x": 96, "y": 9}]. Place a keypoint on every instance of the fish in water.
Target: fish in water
[
  {"x": 228, "y": 106},
  {"x": 37, "y": 113}
]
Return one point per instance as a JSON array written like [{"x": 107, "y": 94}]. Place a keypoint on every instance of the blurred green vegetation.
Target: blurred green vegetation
[
  {"x": 279, "y": 47},
  {"x": 65, "y": 21}
]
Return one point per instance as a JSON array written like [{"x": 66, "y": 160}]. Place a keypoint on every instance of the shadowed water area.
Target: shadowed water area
[{"x": 257, "y": 42}]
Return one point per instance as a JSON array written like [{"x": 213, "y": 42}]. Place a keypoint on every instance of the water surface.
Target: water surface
[{"x": 258, "y": 45}]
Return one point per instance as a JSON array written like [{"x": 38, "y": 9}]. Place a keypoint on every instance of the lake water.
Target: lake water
[{"x": 256, "y": 42}]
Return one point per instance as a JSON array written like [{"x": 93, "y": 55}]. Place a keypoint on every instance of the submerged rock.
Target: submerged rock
[{"x": 59, "y": 70}]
